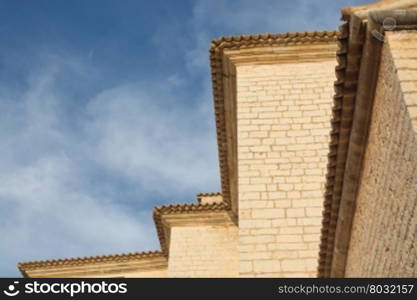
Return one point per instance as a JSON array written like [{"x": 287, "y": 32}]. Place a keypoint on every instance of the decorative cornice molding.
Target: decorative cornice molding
[
  {"x": 24, "y": 267},
  {"x": 282, "y": 53},
  {"x": 348, "y": 60}
]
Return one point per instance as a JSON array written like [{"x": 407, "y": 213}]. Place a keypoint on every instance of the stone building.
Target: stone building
[{"x": 317, "y": 169}]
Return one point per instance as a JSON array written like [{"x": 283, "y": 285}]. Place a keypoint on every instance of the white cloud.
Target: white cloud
[
  {"x": 137, "y": 134},
  {"x": 147, "y": 136}
]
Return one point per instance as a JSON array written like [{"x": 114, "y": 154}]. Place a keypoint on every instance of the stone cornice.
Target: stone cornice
[
  {"x": 93, "y": 265},
  {"x": 349, "y": 55},
  {"x": 361, "y": 11},
  {"x": 278, "y": 53}
]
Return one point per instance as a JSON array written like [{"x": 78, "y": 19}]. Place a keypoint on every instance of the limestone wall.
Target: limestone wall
[
  {"x": 147, "y": 274},
  {"x": 203, "y": 251},
  {"x": 384, "y": 239},
  {"x": 283, "y": 117}
]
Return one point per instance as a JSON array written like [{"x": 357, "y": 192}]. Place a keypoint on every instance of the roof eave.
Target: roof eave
[
  {"x": 26, "y": 268},
  {"x": 345, "y": 167}
]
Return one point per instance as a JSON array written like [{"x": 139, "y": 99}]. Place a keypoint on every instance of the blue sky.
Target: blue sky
[{"x": 106, "y": 111}]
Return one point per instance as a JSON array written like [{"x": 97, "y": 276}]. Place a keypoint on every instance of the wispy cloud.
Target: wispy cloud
[
  {"x": 145, "y": 135},
  {"x": 52, "y": 199}
]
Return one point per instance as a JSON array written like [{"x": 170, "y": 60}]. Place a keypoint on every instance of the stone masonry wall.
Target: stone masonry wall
[
  {"x": 146, "y": 274},
  {"x": 203, "y": 251},
  {"x": 384, "y": 232},
  {"x": 283, "y": 117}
]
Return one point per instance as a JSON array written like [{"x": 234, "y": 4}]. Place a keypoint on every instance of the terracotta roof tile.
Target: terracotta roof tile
[
  {"x": 338, "y": 144},
  {"x": 77, "y": 261}
]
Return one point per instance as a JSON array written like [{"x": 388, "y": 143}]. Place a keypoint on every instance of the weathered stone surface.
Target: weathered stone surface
[{"x": 384, "y": 232}]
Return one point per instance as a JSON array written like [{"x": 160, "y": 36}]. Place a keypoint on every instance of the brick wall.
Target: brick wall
[
  {"x": 383, "y": 241},
  {"x": 203, "y": 251},
  {"x": 283, "y": 117}
]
